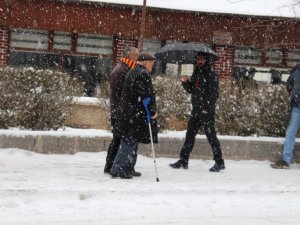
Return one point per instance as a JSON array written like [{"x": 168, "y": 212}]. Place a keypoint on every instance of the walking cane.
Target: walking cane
[{"x": 145, "y": 103}]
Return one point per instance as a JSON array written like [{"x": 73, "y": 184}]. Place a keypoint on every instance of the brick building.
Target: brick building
[{"x": 86, "y": 37}]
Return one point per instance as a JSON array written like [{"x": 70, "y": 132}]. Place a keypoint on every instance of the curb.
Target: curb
[{"x": 242, "y": 148}]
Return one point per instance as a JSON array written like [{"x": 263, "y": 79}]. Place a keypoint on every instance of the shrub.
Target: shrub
[
  {"x": 103, "y": 96},
  {"x": 262, "y": 112},
  {"x": 36, "y": 99},
  {"x": 171, "y": 99}
]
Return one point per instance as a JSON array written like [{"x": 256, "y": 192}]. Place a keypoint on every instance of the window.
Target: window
[
  {"x": 96, "y": 44},
  {"x": 293, "y": 57},
  {"x": 34, "y": 59},
  {"x": 152, "y": 46},
  {"x": 247, "y": 55},
  {"x": 91, "y": 63},
  {"x": 261, "y": 74},
  {"x": 274, "y": 56},
  {"x": 62, "y": 40},
  {"x": 91, "y": 70},
  {"x": 28, "y": 48},
  {"x": 25, "y": 38}
]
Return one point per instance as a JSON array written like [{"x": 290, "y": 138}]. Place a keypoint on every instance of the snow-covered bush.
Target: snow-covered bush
[
  {"x": 104, "y": 95},
  {"x": 35, "y": 99},
  {"x": 262, "y": 112},
  {"x": 171, "y": 99}
]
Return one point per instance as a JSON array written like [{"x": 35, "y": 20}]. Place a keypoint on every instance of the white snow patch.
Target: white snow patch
[{"x": 40, "y": 189}]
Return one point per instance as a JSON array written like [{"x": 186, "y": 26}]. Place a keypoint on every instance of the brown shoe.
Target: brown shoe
[{"x": 280, "y": 165}]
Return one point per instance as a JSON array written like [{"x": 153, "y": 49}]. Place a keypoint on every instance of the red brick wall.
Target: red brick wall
[
  {"x": 3, "y": 46},
  {"x": 164, "y": 24},
  {"x": 225, "y": 63}
]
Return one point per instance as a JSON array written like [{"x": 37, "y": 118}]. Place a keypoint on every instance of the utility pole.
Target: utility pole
[{"x": 142, "y": 30}]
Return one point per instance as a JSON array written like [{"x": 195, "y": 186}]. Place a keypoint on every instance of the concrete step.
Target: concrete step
[{"x": 240, "y": 148}]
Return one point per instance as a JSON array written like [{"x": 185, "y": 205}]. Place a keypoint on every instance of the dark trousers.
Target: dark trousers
[
  {"x": 126, "y": 158},
  {"x": 196, "y": 120},
  {"x": 112, "y": 152}
]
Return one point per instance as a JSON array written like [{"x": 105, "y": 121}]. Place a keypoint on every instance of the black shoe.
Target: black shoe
[
  {"x": 106, "y": 171},
  {"x": 180, "y": 163},
  {"x": 217, "y": 167},
  {"x": 280, "y": 165},
  {"x": 122, "y": 176},
  {"x": 136, "y": 174}
]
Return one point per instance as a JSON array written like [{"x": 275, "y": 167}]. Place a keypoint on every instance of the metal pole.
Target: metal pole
[
  {"x": 142, "y": 31},
  {"x": 146, "y": 101}
]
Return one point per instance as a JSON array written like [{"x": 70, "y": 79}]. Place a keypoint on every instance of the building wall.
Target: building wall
[
  {"x": 160, "y": 24},
  {"x": 120, "y": 44},
  {"x": 69, "y": 17},
  {"x": 3, "y": 46},
  {"x": 225, "y": 64},
  {"x": 123, "y": 22}
]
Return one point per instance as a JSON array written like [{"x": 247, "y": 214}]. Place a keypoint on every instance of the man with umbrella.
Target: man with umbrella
[{"x": 204, "y": 87}]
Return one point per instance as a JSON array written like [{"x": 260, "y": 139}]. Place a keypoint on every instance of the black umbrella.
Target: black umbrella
[{"x": 184, "y": 53}]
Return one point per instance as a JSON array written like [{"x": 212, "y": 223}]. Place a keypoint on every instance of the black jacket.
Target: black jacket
[
  {"x": 131, "y": 116},
  {"x": 293, "y": 86},
  {"x": 204, "y": 87},
  {"x": 116, "y": 78}
]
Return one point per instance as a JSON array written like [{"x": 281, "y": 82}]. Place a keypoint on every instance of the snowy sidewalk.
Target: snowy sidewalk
[{"x": 38, "y": 189}]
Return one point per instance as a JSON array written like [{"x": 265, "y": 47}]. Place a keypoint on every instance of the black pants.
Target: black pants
[
  {"x": 112, "y": 152},
  {"x": 112, "y": 149},
  {"x": 196, "y": 120},
  {"x": 126, "y": 158}
]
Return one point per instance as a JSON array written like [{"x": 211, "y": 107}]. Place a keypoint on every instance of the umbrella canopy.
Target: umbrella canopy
[{"x": 184, "y": 53}]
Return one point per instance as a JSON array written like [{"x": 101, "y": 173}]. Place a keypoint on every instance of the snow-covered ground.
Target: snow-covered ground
[{"x": 40, "y": 189}]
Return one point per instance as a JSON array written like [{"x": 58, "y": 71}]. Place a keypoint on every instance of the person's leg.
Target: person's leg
[
  {"x": 111, "y": 153},
  {"x": 210, "y": 132},
  {"x": 291, "y": 133},
  {"x": 214, "y": 142},
  {"x": 192, "y": 129},
  {"x": 122, "y": 166},
  {"x": 135, "y": 154}
]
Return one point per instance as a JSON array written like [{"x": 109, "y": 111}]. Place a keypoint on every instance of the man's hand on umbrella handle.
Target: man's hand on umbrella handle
[
  {"x": 154, "y": 117},
  {"x": 184, "y": 78}
]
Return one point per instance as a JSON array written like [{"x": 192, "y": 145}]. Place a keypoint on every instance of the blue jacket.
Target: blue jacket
[{"x": 293, "y": 86}]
